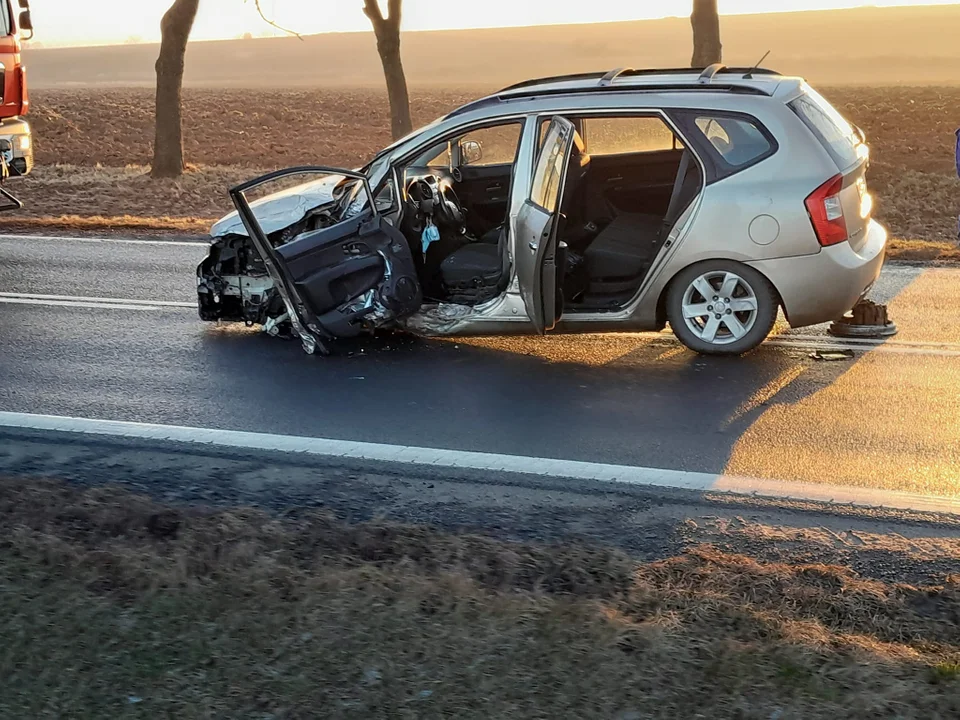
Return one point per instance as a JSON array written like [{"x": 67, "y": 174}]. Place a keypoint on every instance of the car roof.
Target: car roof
[{"x": 716, "y": 78}]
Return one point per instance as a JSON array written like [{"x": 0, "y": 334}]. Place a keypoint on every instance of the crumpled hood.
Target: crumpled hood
[{"x": 281, "y": 209}]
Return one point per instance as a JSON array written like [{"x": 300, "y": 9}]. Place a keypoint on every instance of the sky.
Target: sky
[{"x": 69, "y": 22}]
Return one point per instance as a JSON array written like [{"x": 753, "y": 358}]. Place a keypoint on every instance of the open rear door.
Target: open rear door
[
  {"x": 352, "y": 275},
  {"x": 537, "y": 225}
]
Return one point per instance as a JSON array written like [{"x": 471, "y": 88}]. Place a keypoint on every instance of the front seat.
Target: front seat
[{"x": 475, "y": 273}]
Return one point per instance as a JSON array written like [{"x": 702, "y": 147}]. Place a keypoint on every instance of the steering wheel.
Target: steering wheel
[{"x": 449, "y": 211}]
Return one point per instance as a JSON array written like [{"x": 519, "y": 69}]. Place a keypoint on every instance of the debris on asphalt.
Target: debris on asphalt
[{"x": 832, "y": 355}]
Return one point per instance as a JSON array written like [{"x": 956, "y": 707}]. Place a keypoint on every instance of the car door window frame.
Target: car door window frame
[
  {"x": 523, "y": 119},
  {"x": 555, "y": 191},
  {"x": 575, "y": 115},
  {"x": 461, "y": 130},
  {"x": 456, "y": 160}
]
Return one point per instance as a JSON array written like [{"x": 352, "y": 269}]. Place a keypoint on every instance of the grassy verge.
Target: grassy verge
[
  {"x": 110, "y": 225},
  {"x": 112, "y": 606},
  {"x": 923, "y": 251}
]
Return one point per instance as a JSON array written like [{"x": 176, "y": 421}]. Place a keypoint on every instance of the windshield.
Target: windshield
[
  {"x": 377, "y": 171},
  {"x": 397, "y": 143}
]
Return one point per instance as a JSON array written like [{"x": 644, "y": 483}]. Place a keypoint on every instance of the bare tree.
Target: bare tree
[
  {"x": 387, "y": 30},
  {"x": 705, "y": 20},
  {"x": 175, "y": 28},
  {"x": 168, "y": 144}
]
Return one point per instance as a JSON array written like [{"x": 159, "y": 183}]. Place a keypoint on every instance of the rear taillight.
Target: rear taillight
[{"x": 826, "y": 212}]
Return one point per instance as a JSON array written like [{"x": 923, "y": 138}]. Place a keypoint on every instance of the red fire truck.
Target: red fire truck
[{"x": 16, "y": 142}]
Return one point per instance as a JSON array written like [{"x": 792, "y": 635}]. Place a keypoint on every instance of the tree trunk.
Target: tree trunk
[
  {"x": 400, "y": 122},
  {"x": 705, "y": 20},
  {"x": 168, "y": 143},
  {"x": 387, "y": 30}
]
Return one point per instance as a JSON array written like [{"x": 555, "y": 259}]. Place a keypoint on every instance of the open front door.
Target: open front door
[
  {"x": 353, "y": 274},
  {"x": 536, "y": 242}
]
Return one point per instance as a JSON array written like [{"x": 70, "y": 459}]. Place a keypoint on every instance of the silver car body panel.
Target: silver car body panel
[{"x": 718, "y": 225}]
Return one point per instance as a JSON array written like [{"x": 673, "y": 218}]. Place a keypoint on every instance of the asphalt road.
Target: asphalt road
[{"x": 889, "y": 418}]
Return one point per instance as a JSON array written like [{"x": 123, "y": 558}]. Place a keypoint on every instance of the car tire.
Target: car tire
[{"x": 721, "y": 307}]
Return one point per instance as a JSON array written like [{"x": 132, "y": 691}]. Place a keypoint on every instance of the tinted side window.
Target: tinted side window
[
  {"x": 623, "y": 135},
  {"x": 626, "y": 135},
  {"x": 739, "y": 142}
]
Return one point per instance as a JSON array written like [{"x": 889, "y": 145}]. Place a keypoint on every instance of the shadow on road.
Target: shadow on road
[{"x": 623, "y": 399}]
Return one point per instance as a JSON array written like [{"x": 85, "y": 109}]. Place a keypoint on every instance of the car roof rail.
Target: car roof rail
[
  {"x": 710, "y": 72},
  {"x": 606, "y": 79},
  {"x": 545, "y": 80},
  {"x": 580, "y": 92},
  {"x": 613, "y": 75}
]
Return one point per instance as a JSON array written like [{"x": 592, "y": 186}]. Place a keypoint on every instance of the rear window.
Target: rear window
[
  {"x": 739, "y": 142},
  {"x": 829, "y": 126}
]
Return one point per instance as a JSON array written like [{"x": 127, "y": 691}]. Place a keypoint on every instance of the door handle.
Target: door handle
[
  {"x": 618, "y": 178},
  {"x": 494, "y": 188}
]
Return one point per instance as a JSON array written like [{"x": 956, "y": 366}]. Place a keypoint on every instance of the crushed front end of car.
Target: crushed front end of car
[{"x": 316, "y": 261}]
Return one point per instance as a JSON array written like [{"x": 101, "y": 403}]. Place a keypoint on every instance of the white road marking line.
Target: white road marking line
[
  {"x": 796, "y": 342},
  {"x": 867, "y": 342},
  {"x": 899, "y": 349},
  {"x": 96, "y": 305},
  {"x": 822, "y": 341},
  {"x": 121, "y": 241},
  {"x": 440, "y": 458},
  {"x": 82, "y": 298}
]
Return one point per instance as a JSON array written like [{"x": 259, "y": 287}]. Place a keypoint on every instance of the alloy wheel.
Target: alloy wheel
[{"x": 720, "y": 307}]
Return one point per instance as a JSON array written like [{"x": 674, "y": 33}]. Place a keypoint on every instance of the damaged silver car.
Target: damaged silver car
[{"x": 615, "y": 201}]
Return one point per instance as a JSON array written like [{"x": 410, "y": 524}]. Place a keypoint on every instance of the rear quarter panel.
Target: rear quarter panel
[{"x": 771, "y": 193}]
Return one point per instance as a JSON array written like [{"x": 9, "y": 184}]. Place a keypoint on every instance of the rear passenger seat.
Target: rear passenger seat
[
  {"x": 627, "y": 246},
  {"x": 624, "y": 248}
]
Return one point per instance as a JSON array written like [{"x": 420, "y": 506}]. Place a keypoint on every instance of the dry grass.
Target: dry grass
[
  {"x": 128, "y": 194},
  {"x": 923, "y": 251},
  {"x": 111, "y": 605}
]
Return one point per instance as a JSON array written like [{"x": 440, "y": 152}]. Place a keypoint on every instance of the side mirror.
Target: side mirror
[
  {"x": 25, "y": 4},
  {"x": 471, "y": 152},
  {"x": 26, "y": 22}
]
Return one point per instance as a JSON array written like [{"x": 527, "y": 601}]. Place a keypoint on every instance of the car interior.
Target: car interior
[{"x": 629, "y": 180}]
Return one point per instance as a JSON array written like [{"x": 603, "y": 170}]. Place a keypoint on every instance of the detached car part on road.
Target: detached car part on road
[{"x": 599, "y": 202}]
